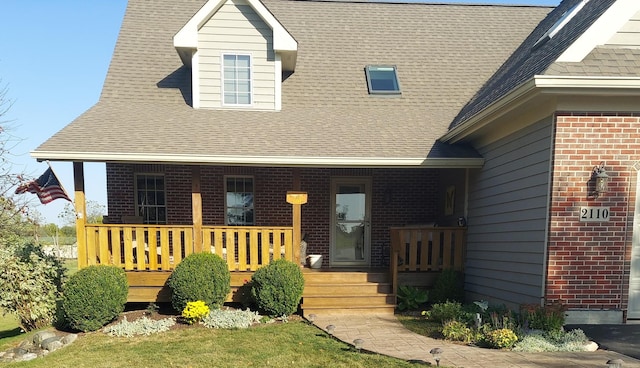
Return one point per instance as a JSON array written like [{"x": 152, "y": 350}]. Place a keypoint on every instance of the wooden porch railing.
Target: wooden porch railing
[
  {"x": 248, "y": 248},
  {"x": 162, "y": 247},
  {"x": 426, "y": 249}
]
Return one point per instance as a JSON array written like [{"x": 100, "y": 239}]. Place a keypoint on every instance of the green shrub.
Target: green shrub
[
  {"x": 548, "y": 318},
  {"x": 448, "y": 311},
  {"x": 31, "y": 282},
  {"x": 277, "y": 287},
  {"x": 94, "y": 296},
  {"x": 457, "y": 331},
  {"x": 411, "y": 298},
  {"x": 448, "y": 286},
  {"x": 200, "y": 276}
]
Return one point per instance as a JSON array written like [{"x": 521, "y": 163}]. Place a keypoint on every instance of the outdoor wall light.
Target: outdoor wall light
[
  {"x": 437, "y": 354},
  {"x": 600, "y": 180},
  {"x": 614, "y": 363}
]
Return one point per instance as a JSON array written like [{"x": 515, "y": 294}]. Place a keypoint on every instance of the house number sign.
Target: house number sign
[{"x": 594, "y": 214}]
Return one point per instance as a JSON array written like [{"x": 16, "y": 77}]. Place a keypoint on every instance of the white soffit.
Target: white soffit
[
  {"x": 601, "y": 30},
  {"x": 399, "y": 162},
  {"x": 601, "y": 84}
]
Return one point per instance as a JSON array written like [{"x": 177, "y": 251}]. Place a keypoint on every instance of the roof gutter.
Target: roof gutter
[
  {"x": 514, "y": 98},
  {"x": 544, "y": 84},
  {"x": 372, "y": 162}
]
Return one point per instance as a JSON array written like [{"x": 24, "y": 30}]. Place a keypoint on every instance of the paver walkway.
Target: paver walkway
[{"x": 385, "y": 335}]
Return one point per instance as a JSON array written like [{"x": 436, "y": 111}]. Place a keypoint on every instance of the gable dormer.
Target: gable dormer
[{"x": 237, "y": 51}]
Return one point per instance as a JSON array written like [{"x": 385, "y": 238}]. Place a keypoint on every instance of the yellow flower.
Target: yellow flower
[{"x": 195, "y": 311}]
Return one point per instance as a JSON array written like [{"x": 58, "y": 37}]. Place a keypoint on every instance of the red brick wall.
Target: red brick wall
[
  {"x": 589, "y": 261},
  {"x": 400, "y": 197}
]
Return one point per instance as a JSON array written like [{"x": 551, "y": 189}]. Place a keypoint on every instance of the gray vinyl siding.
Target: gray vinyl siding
[
  {"x": 507, "y": 218},
  {"x": 236, "y": 28},
  {"x": 628, "y": 35}
]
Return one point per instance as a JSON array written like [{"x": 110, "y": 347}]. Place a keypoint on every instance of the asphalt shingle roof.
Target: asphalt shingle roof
[
  {"x": 602, "y": 61},
  {"x": 444, "y": 54},
  {"x": 528, "y": 61}
]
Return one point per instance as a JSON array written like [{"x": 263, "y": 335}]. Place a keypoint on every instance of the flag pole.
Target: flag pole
[{"x": 54, "y": 174}]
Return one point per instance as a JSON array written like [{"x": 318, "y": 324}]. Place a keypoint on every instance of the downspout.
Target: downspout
[
  {"x": 635, "y": 166},
  {"x": 545, "y": 254}
]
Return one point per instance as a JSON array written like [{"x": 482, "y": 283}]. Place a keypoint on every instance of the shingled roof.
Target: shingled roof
[
  {"x": 602, "y": 61},
  {"x": 444, "y": 53},
  {"x": 531, "y": 59}
]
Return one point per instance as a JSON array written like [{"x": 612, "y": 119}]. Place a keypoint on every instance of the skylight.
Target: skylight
[
  {"x": 382, "y": 79},
  {"x": 558, "y": 25}
]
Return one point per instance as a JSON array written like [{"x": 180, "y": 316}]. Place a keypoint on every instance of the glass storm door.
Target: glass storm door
[{"x": 350, "y": 235}]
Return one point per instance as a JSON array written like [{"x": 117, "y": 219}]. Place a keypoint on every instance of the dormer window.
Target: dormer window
[
  {"x": 236, "y": 79},
  {"x": 382, "y": 79}
]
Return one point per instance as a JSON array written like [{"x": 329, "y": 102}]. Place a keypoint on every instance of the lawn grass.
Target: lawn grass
[
  {"x": 71, "y": 265},
  {"x": 422, "y": 326},
  {"x": 275, "y": 345},
  {"x": 9, "y": 326}
]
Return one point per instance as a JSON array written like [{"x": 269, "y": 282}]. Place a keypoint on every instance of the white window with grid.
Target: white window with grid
[{"x": 236, "y": 80}]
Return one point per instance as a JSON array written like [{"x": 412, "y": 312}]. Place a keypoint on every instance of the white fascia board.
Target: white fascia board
[
  {"x": 187, "y": 36},
  {"x": 282, "y": 39},
  {"x": 408, "y": 162},
  {"x": 195, "y": 80},
  {"x": 544, "y": 84},
  {"x": 277, "y": 90},
  {"x": 603, "y": 85},
  {"x": 601, "y": 30},
  {"x": 483, "y": 117}
]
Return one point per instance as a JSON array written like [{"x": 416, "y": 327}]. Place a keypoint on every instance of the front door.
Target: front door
[{"x": 350, "y": 222}]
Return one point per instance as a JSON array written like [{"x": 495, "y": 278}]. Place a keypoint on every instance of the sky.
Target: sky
[{"x": 54, "y": 56}]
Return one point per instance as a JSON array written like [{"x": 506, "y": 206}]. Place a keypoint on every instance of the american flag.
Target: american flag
[{"x": 47, "y": 187}]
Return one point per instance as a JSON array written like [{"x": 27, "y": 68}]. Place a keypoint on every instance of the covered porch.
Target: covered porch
[{"x": 149, "y": 252}]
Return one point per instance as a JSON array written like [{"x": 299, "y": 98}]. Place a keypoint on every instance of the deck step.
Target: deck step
[
  {"x": 354, "y": 309},
  {"x": 322, "y": 277},
  {"x": 369, "y": 288},
  {"x": 330, "y": 292},
  {"x": 347, "y": 300}
]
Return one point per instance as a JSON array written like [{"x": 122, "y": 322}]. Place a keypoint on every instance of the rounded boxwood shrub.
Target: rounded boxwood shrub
[
  {"x": 200, "y": 276},
  {"x": 94, "y": 296},
  {"x": 277, "y": 288}
]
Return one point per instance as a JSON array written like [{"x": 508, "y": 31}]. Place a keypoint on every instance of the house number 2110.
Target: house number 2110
[{"x": 594, "y": 214}]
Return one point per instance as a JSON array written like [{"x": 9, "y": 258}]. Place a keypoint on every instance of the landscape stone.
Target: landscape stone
[
  {"x": 48, "y": 341},
  {"x": 69, "y": 339},
  {"x": 52, "y": 345},
  {"x": 41, "y": 336},
  {"x": 27, "y": 357},
  {"x": 39, "y": 345},
  {"x": 591, "y": 346}
]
